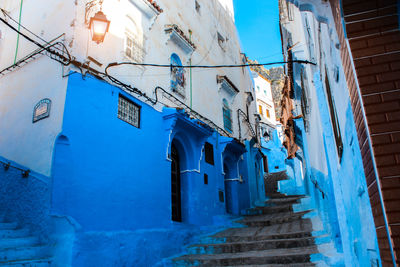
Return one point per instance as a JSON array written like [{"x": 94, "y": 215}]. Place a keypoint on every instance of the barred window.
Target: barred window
[{"x": 128, "y": 111}]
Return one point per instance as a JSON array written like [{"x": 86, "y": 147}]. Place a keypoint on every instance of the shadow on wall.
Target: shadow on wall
[{"x": 25, "y": 200}]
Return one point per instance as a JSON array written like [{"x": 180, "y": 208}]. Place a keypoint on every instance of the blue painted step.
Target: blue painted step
[
  {"x": 10, "y": 255},
  {"x": 18, "y": 242},
  {"x": 29, "y": 263},
  {"x": 13, "y": 233},
  {"x": 8, "y": 226}
]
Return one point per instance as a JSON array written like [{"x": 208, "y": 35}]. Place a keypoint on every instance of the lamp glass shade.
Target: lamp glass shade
[{"x": 99, "y": 27}]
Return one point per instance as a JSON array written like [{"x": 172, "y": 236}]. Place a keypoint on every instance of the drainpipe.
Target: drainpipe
[
  {"x": 19, "y": 28},
  {"x": 190, "y": 70}
]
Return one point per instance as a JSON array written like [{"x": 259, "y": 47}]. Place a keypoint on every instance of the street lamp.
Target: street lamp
[{"x": 98, "y": 26}]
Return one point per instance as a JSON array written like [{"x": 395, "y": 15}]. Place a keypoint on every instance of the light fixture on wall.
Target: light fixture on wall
[{"x": 98, "y": 26}]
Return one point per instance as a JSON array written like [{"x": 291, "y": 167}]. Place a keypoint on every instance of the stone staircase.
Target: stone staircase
[
  {"x": 18, "y": 248},
  {"x": 270, "y": 235}
]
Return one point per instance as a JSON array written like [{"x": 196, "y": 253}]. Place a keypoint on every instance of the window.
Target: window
[
  {"x": 209, "y": 153},
  {"x": 205, "y": 178},
  {"x": 134, "y": 42},
  {"x": 289, "y": 10},
  {"x": 267, "y": 113},
  {"x": 227, "y": 116},
  {"x": 309, "y": 38},
  {"x": 177, "y": 75},
  {"x": 334, "y": 117},
  {"x": 258, "y": 88},
  {"x": 128, "y": 111},
  {"x": 221, "y": 41},
  {"x": 197, "y": 6},
  {"x": 260, "y": 110}
]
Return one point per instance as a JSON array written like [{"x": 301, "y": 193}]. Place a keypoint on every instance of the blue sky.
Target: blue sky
[{"x": 258, "y": 24}]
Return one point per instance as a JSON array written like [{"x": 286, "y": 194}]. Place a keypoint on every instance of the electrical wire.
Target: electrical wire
[
  {"x": 135, "y": 90},
  {"x": 113, "y": 64}
]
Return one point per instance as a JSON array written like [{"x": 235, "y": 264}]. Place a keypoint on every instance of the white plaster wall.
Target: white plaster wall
[
  {"x": 212, "y": 18},
  {"x": 346, "y": 176},
  {"x": 264, "y": 98},
  {"x": 27, "y": 143},
  {"x": 42, "y": 78}
]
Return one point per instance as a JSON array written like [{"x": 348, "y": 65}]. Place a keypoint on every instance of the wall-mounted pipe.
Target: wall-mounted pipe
[{"x": 19, "y": 29}]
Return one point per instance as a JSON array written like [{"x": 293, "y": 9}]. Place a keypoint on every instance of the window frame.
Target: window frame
[
  {"x": 138, "y": 108},
  {"x": 227, "y": 116}
]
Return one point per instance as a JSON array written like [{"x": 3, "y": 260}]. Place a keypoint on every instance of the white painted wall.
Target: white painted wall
[
  {"x": 27, "y": 143},
  {"x": 264, "y": 98},
  {"x": 43, "y": 78}
]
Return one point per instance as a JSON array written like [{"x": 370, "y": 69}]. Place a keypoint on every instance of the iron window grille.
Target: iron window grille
[{"x": 128, "y": 111}]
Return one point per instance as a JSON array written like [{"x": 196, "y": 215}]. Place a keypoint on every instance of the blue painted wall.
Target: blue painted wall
[
  {"x": 339, "y": 195},
  {"x": 275, "y": 153},
  {"x": 25, "y": 200},
  {"x": 114, "y": 179}
]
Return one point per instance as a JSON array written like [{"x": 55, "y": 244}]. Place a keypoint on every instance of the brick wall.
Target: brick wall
[{"x": 373, "y": 33}]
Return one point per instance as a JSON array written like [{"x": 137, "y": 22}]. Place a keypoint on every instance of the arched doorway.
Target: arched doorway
[{"x": 176, "y": 198}]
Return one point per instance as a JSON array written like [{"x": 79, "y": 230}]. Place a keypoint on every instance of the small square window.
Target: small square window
[
  {"x": 209, "y": 153},
  {"x": 128, "y": 111}
]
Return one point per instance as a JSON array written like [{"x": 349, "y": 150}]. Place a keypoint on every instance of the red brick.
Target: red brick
[
  {"x": 392, "y": 47},
  {"x": 391, "y": 194},
  {"x": 384, "y": 127},
  {"x": 381, "y": 233},
  {"x": 395, "y": 229},
  {"x": 393, "y": 116},
  {"x": 393, "y": 217},
  {"x": 377, "y": 88},
  {"x": 367, "y": 80},
  {"x": 381, "y": 23},
  {"x": 362, "y": 63},
  {"x": 388, "y": 171},
  {"x": 386, "y": 58},
  {"x": 389, "y": 76},
  {"x": 384, "y": 107},
  {"x": 372, "y": 99},
  {"x": 377, "y": 118},
  {"x": 392, "y": 96},
  {"x": 386, "y": 149},
  {"x": 395, "y": 65},
  {"x": 384, "y": 39},
  {"x": 390, "y": 183},
  {"x": 395, "y": 137},
  {"x": 367, "y": 52},
  {"x": 393, "y": 205},
  {"x": 354, "y": 27},
  {"x": 382, "y": 161},
  {"x": 381, "y": 139},
  {"x": 363, "y": 6},
  {"x": 374, "y": 69}
]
